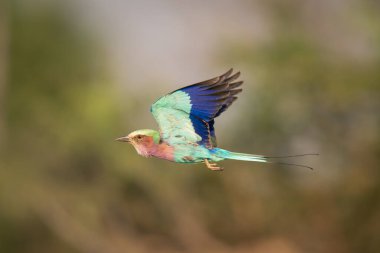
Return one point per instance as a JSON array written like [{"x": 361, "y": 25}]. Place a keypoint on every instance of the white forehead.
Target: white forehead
[{"x": 142, "y": 132}]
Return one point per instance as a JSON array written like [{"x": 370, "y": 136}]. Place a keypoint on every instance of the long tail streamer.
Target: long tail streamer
[{"x": 266, "y": 159}]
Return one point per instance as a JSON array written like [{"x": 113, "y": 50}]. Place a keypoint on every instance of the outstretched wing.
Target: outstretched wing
[{"x": 187, "y": 114}]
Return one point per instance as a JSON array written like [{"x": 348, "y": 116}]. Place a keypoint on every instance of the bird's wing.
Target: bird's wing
[{"x": 187, "y": 115}]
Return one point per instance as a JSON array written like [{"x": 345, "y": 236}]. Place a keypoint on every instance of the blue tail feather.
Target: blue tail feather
[{"x": 225, "y": 154}]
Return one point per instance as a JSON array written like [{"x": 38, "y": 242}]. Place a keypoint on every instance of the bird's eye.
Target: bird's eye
[{"x": 139, "y": 137}]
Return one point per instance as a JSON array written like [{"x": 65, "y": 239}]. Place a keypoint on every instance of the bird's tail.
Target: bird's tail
[
  {"x": 245, "y": 157},
  {"x": 262, "y": 158}
]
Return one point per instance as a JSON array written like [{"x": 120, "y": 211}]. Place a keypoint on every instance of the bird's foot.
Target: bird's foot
[{"x": 213, "y": 166}]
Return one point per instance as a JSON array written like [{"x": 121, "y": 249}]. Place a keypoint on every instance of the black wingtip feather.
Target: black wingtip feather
[
  {"x": 233, "y": 77},
  {"x": 235, "y": 85},
  {"x": 209, "y": 82},
  {"x": 229, "y": 72},
  {"x": 223, "y": 88},
  {"x": 234, "y": 92}
]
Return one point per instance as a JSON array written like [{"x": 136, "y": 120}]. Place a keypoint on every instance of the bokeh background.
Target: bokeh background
[{"x": 76, "y": 74}]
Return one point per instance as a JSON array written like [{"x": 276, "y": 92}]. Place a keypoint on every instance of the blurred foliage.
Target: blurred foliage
[{"x": 66, "y": 186}]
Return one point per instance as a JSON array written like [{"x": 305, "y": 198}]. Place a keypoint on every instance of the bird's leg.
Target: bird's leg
[{"x": 212, "y": 166}]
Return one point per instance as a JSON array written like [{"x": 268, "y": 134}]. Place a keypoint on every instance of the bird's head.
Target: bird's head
[{"x": 142, "y": 140}]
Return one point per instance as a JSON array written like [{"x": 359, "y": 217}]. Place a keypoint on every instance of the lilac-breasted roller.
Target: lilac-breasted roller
[{"x": 186, "y": 121}]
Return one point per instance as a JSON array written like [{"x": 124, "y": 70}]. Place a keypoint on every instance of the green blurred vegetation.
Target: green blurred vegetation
[{"x": 66, "y": 186}]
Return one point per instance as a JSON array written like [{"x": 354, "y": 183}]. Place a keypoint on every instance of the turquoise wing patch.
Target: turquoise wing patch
[
  {"x": 187, "y": 114},
  {"x": 172, "y": 115}
]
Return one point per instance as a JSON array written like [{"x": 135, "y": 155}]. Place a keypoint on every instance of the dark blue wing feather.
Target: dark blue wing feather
[{"x": 208, "y": 100}]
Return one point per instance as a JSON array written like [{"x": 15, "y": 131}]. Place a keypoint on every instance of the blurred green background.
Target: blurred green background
[{"x": 74, "y": 75}]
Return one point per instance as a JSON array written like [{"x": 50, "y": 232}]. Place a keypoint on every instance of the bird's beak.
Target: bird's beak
[{"x": 123, "y": 139}]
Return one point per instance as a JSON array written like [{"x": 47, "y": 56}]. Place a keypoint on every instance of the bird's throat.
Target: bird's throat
[{"x": 161, "y": 150}]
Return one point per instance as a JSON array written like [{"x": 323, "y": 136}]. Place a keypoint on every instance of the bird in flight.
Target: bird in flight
[{"x": 186, "y": 125}]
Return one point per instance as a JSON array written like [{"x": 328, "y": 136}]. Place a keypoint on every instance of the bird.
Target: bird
[{"x": 186, "y": 119}]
